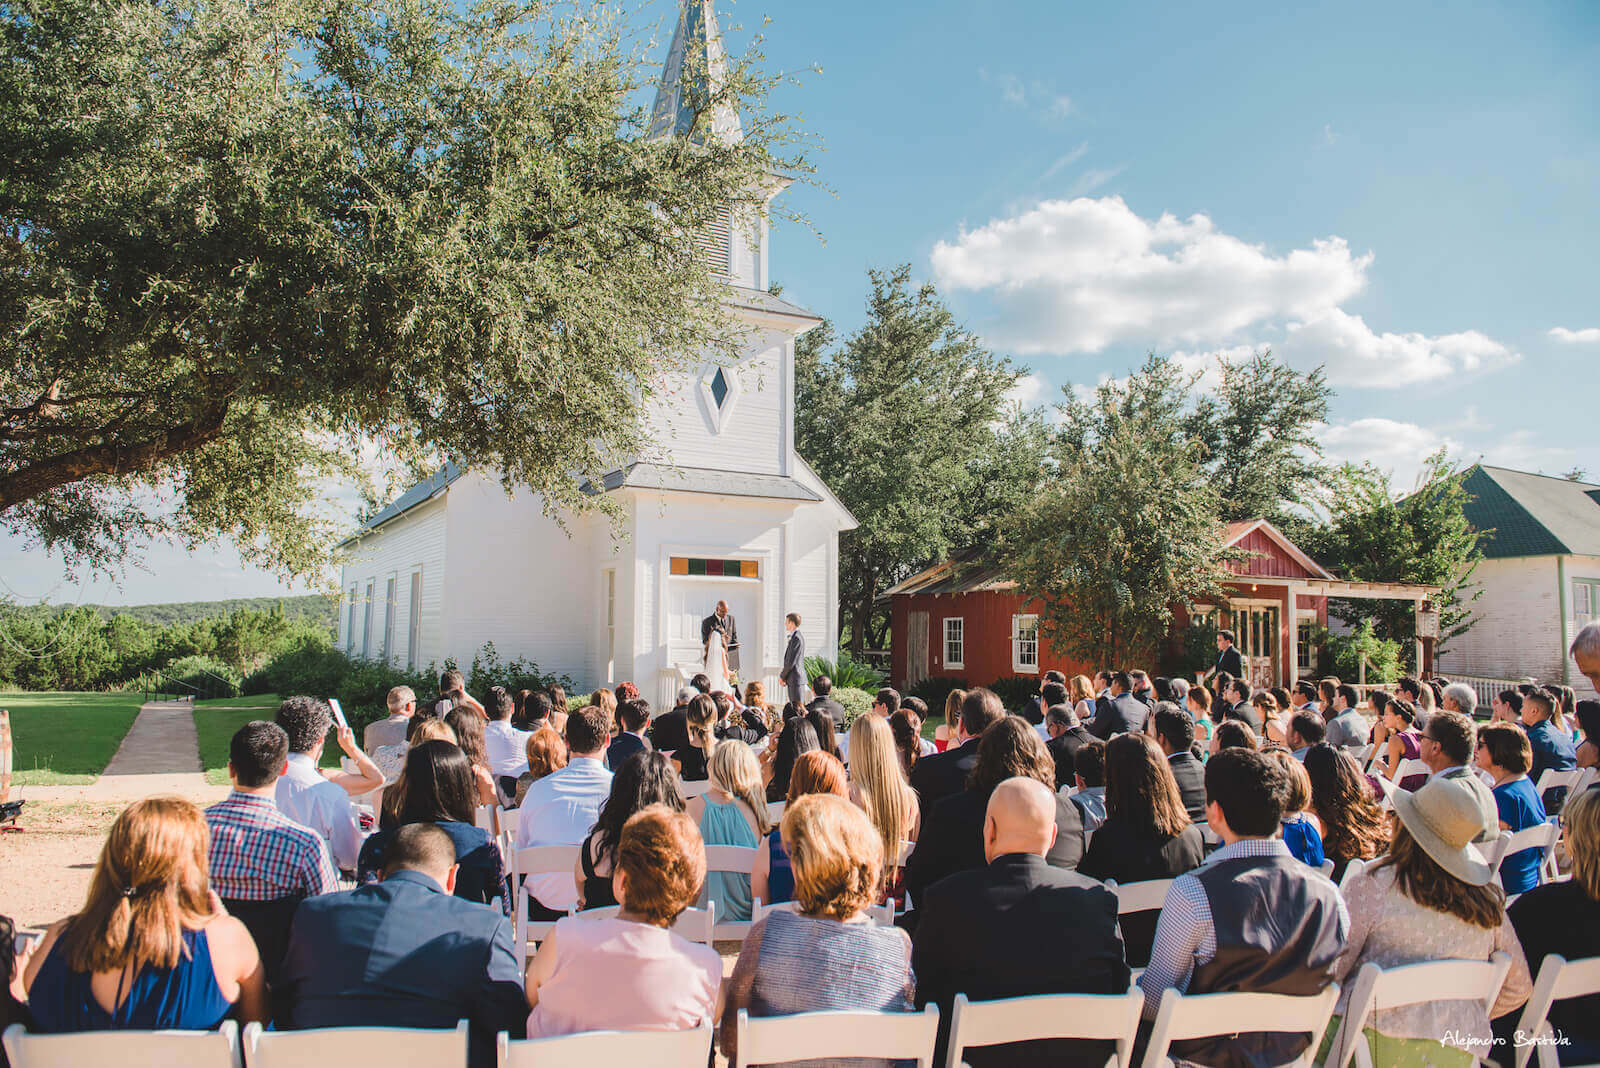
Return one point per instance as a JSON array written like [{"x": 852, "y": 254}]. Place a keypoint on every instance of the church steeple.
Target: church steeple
[{"x": 695, "y": 71}]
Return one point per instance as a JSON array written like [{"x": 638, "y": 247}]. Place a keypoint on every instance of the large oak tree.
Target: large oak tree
[{"x": 239, "y": 240}]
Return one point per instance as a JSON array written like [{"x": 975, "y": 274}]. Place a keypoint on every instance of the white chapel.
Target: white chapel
[{"x": 720, "y": 507}]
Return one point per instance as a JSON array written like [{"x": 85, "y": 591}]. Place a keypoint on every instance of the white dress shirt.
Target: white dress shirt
[
  {"x": 507, "y": 747},
  {"x": 560, "y": 809},
  {"x": 312, "y": 801}
]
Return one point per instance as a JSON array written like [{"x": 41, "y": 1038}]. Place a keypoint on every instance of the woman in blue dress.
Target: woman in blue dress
[
  {"x": 152, "y": 948},
  {"x": 1301, "y": 833},
  {"x": 1504, "y": 752}
]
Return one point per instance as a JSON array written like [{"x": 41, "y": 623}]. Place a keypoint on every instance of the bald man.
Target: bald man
[{"x": 1018, "y": 927}]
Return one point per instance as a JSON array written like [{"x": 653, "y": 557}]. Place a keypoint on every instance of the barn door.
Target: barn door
[
  {"x": 1256, "y": 626},
  {"x": 916, "y": 648}
]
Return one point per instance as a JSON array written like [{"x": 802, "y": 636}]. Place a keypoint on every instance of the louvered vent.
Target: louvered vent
[{"x": 715, "y": 243}]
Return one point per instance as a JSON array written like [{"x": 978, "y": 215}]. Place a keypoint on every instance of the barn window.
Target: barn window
[
  {"x": 955, "y": 643},
  {"x": 1025, "y": 643}
]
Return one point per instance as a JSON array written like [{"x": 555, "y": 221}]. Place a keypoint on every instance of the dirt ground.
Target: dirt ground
[{"x": 45, "y": 868}]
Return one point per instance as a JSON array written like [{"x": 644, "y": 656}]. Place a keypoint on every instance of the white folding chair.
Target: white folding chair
[
  {"x": 809, "y": 1036},
  {"x": 487, "y": 818},
  {"x": 882, "y": 915},
  {"x": 1207, "y": 1015},
  {"x": 904, "y": 855},
  {"x": 775, "y": 811},
  {"x": 1113, "y": 1017},
  {"x": 686, "y": 790},
  {"x": 1408, "y": 767},
  {"x": 1145, "y": 896},
  {"x": 1541, "y": 836},
  {"x": 608, "y": 1049},
  {"x": 1558, "y": 980},
  {"x": 1210, "y": 837},
  {"x": 530, "y": 861},
  {"x": 1361, "y": 753},
  {"x": 1352, "y": 869},
  {"x": 1326, "y": 868},
  {"x": 695, "y": 925},
  {"x": 125, "y": 1049},
  {"x": 1551, "y": 778},
  {"x": 435, "y": 1048},
  {"x": 1379, "y": 989},
  {"x": 736, "y": 860}
]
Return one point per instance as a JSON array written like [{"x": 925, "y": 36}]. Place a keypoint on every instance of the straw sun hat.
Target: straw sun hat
[{"x": 1444, "y": 816}]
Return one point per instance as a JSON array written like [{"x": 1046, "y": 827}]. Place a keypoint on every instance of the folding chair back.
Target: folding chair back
[
  {"x": 536, "y": 860},
  {"x": 1093, "y": 1016},
  {"x": 125, "y": 1049},
  {"x": 403, "y": 1046},
  {"x": 809, "y": 1036},
  {"x": 609, "y": 1049},
  {"x": 1378, "y": 989},
  {"x": 1558, "y": 980},
  {"x": 1207, "y": 1015},
  {"x": 1145, "y": 896}
]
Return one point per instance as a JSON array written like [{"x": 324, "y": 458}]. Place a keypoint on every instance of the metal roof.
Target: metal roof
[
  {"x": 762, "y": 301},
  {"x": 1532, "y": 515},
  {"x": 965, "y": 573},
  {"x": 695, "y": 71},
  {"x": 419, "y": 494},
  {"x": 704, "y": 480}
]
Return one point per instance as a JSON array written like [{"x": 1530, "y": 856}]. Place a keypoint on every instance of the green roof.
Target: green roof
[{"x": 1532, "y": 515}]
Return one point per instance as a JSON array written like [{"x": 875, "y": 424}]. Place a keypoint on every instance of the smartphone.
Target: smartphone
[{"x": 338, "y": 713}]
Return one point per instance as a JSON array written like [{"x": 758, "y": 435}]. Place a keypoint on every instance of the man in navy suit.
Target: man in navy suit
[
  {"x": 1229, "y": 662},
  {"x": 406, "y": 953},
  {"x": 1123, "y": 713},
  {"x": 635, "y": 716}
]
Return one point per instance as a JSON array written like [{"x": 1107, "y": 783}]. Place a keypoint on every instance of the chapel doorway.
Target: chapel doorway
[{"x": 691, "y": 598}]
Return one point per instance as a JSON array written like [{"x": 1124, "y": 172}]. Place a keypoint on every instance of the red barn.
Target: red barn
[{"x": 974, "y": 623}]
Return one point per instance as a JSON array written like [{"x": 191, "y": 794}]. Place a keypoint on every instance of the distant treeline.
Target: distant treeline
[
  {"x": 206, "y": 648},
  {"x": 314, "y": 607}
]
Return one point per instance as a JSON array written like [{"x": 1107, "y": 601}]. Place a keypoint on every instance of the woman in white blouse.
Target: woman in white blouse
[{"x": 1431, "y": 898}]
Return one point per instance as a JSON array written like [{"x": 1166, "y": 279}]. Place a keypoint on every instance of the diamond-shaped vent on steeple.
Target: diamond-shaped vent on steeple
[{"x": 719, "y": 388}]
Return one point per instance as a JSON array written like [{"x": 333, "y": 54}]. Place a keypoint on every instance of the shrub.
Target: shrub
[
  {"x": 934, "y": 690},
  {"x": 363, "y": 692},
  {"x": 1193, "y": 649},
  {"x": 488, "y": 670},
  {"x": 310, "y": 667},
  {"x": 1015, "y": 690},
  {"x": 846, "y": 672},
  {"x": 208, "y": 676},
  {"x": 1341, "y": 654},
  {"x": 855, "y": 702}
]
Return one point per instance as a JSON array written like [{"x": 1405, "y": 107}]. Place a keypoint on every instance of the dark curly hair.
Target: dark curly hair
[
  {"x": 1009, "y": 749},
  {"x": 306, "y": 721}
]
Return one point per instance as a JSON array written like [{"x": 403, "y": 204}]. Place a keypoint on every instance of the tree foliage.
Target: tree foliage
[
  {"x": 1126, "y": 527},
  {"x": 1375, "y": 534},
  {"x": 239, "y": 240},
  {"x": 1259, "y": 431},
  {"x": 907, "y": 422}
]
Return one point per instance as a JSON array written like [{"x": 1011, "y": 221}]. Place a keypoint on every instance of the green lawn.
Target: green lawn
[
  {"x": 216, "y": 720},
  {"x": 67, "y": 739}
]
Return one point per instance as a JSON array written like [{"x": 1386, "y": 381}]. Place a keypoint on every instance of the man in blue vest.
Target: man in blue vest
[{"x": 1251, "y": 918}]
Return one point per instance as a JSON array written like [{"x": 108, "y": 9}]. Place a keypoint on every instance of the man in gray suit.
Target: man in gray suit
[{"x": 794, "y": 660}]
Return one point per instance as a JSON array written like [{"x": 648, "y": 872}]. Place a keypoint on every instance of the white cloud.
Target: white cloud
[
  {"x": 1389, "y": 444},
  {"x": 1079, "y": 275},
  {"x": 1065, "y": 161},
  {"x": 1357, "y": 356},
  {"x": 1031, "y": 391},
  {"x": 1328, "y": 134},
  {"x": 1586, "y": 336}
]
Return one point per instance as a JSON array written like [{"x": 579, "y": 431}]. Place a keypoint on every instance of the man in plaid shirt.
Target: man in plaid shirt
[{"x": 258, "y": 853}]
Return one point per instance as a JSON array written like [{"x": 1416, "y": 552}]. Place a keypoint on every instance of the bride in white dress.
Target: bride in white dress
[{"x": 716, "y": 662}]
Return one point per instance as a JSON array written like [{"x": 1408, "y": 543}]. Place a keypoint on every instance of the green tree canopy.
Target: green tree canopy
[
  {"x": 238, "y": 240},
  {"x": 907, "y": 422},
  {"x": 1127, "y": 526}
]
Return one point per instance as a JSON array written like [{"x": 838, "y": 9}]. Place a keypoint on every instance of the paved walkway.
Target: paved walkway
[{"x": 159, "y": 755}]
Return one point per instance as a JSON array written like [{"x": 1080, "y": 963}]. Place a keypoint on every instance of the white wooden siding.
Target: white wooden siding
[
  {"x": 1519, "y": 630},
  {"x": 415, "y": 540},
  {"x": 753, "y": 432}
]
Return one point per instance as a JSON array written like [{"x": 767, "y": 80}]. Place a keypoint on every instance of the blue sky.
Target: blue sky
[{"x": 1402, "y": 193}]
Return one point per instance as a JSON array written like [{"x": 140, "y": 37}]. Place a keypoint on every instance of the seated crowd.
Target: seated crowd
[{"x": 1301, "y": 838}]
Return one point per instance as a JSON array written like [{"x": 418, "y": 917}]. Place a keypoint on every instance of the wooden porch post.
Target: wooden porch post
[
  {"x": 1292, "y": 667},
  {"x": 1415, "y": 626}
]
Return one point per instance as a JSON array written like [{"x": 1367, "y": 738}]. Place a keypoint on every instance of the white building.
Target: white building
[
  {"x": 721, "y": 507},
  {"x": 1540, "y": 576}
]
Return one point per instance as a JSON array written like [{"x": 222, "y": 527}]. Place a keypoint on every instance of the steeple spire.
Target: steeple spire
[{"x": 696, "y": 70}]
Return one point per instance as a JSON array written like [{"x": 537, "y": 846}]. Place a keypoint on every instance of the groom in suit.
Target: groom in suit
[
  {"x": 794, "y": 660},
  {"x": 730, "y": 633}
]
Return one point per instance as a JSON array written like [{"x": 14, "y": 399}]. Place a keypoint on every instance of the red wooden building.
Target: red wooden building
[{"x": 963, "y": 621}]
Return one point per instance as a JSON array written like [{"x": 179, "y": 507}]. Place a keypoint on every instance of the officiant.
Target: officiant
[{"x": 730, "y": 631}]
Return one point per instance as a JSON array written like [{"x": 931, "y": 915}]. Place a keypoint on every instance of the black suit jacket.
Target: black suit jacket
[
  {"x": 1117, "y": 851},
  {"x": 730, "y": 630},
  {"x": 1012, "y": 928},
  {"x": 1191, "y": 776},
  {"x": 1244, "y": 713},
  {"x": 1064, "y": 749},
  {"x": 951, "y": 839},
  {"x": 624, "y": 747},
  {"x": 1124, "y": 714},
  {"x": 794, "y": 659},
  {"x": 936, "y": 777},
  {"x": 403, "y": 953},
  {"x": 669, "y": 731},
  {"x": 833, "y": 708},
  {"x": 1230, "y": 661}
]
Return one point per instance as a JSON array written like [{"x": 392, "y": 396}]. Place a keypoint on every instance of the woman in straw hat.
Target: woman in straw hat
[{"x": 1432, "y": 898}]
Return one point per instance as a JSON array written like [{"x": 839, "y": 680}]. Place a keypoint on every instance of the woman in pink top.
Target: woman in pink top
[{"x": 628, "y": 972}]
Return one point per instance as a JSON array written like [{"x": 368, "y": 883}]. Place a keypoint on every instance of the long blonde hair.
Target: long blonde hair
[
  {"x": 952, "y": 707},
  {"x": 881, "y": 785},
  {"x": 150, "y": 882},
  {"x": 733, "y": 770},
  {"x": 701, "y": 718}
]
